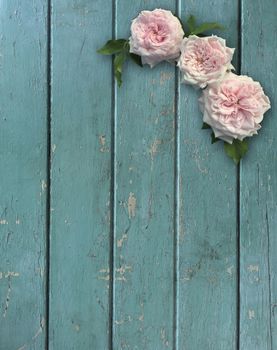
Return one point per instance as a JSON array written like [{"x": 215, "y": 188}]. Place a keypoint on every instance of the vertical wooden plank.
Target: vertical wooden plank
[
  {"x": 143, "y": 275},
  {"x": 207, "y": 298},
  {"x": 23, "y": 173},
  {"x": 258, "y": 186},
  {"x": 80, "y": 221}
]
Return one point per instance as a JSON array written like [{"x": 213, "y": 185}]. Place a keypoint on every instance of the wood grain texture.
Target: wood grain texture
[
  {"x": 23, "y": 173},
  {"x": 143, "y": 275},
  {"x": 207, "y": 298},
  {"x": 258, "y": 186},
  {"x": 80, "y": 193}
]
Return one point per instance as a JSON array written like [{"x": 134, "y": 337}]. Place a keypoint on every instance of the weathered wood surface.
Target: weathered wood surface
[
  {"x": 23, "y": 173},
  {"x": 207, "y": 232},
  {"x": 80, "y": 176},
  {"x": 258, "y": 187},
  {"x": 144, "y": 222},
  {"x": 157, "y": 241}
]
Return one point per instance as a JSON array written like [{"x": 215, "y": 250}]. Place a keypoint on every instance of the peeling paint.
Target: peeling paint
[
  {"x": 54, "y": 148},
  {"x": 132, "y": 204}
]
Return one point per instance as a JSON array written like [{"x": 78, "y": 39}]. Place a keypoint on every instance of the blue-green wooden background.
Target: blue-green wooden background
[{"x": 121, "y": 226}]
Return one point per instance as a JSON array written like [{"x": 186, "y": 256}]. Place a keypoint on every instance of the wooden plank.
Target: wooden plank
[
  {"x": 143, "y": 275},
  {"x": 258, "y": 187},
  {"x": 206, "y": 253},
  {"x": 23, "y": 173},
  {"x": 80, "y": 221}
]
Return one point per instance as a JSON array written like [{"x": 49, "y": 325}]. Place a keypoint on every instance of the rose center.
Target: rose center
[{"x": 156, "y": 34}]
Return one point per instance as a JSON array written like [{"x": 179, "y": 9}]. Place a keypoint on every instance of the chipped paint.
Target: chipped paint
[
  {"x": 7, "y": 301},
  {"x": 102, "y": 141},
  {"x": 132, "y": 204},
  {"x": 123, "y": 269},
  {"x": 77, "y": 328},
  {"x": 42, "y": 324},
  {"x": 54, "y": 148},
  {"x": 251, "y": 314},
  {"x": 165, "y": 76},
  {"x": 8, "y": 274},
  {"x": 164, "y": 338},
  {"x": 121, "y": 272},
  {"x": 3, "y": 222},
  {"x": 253, "y": 268},
  {"x": 154, "y": 148},
  {"x": 43, "y": 185},
  {"x": 230, "y": 270},
  {"x": 121, "y": 240},
  {"x": 104, "y": 277}
]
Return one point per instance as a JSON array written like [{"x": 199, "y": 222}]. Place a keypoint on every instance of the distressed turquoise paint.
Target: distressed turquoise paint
[
  {"x": 207, "y": 215},
  {"x": 143, "y": 275},
  {"x": 23, "y": 173},
  {"x": 123, "y": 147},
  {"x": 259, "y": 187},
  {"x": 80, "y": 207}
]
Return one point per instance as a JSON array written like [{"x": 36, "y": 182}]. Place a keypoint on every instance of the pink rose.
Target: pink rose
[
  {"x": 234, "y": 107},
  {"x": 204, "y": 60},
  {"x": 156, "y": 36}
]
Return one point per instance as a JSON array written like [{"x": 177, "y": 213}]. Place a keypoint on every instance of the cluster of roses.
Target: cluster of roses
[{"x": 232, "y": 105}]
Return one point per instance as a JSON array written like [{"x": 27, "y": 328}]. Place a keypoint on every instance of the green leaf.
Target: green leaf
[
  {"x": 205, "y": 27},
  {"x": 191, "y": 23},
  {"x": 214, "y": 139},
  {"x": 118, "y": 66},
  {"x": 112, "y": 47},
  {"x": 236, "y": 150},
  {"x": 205, "y": 126},
  {"x": 136, "y": 58}
]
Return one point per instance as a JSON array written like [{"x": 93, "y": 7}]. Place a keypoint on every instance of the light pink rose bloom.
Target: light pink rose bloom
[
  {"x": 156, "y": 36},
  {"x": 204, "y": 60},
  {"x": 234, "y": 107}
]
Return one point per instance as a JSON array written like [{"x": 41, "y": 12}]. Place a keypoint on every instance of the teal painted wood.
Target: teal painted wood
[
  {"x": 23, "y": 173},
  {"x": 144, "y": 237},
  {"x": 80, "y": 193},
  {"x": 258, "y": 188},
  {"x": 207, "y": 298}
]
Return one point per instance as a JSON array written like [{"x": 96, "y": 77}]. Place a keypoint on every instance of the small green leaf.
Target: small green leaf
[
  {"x": 112, "y": 47},
  {"x": 236, "y": 150},
  {"x": 205, "y": 27},
  {"x": 191, "y": 23},
  {"x": 136, "y": 58},
  {"x": 214, "y": 139},
  {"x": 118, "y": 66},
  {"x": 205, "y": 126}
]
